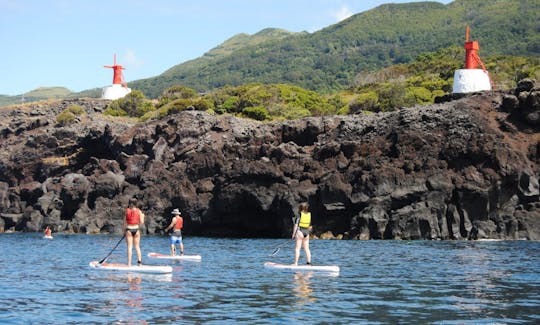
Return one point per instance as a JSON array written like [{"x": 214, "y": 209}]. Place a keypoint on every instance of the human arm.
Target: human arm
[
  {"x": 142, "y": 217},
  {"x": 295, "y": 227},
  {"x": 173, "y": 221},
  {"x": 124, "y": 223}
]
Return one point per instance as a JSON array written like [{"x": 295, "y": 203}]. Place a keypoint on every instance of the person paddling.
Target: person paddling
[
  {"x": 301, "y": 231},
  {"x": 177, "y": 223},
  {"x": 134, "y": 218}
]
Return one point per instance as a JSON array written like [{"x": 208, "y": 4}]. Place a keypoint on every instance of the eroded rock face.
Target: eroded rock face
[{"x": 464, "y": 169}]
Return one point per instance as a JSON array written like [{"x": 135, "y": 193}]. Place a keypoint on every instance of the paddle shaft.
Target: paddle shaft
[
  {"x": 295, "y": 229},
  {"x": 103, "y": 260}
]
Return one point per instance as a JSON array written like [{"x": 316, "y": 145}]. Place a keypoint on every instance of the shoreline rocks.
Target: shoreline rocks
[{"x": 458, "y": 169}]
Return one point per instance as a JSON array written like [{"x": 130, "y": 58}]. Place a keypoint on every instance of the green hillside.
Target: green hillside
[
  {"x": 343, "y": 56},
  {"x": 40, "y": 93},
  {"x": 330, "y": 59},
  {"x": 152, "y": 87}
]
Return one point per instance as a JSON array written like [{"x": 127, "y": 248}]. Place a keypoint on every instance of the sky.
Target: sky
[{"x": 66, "y": 43}]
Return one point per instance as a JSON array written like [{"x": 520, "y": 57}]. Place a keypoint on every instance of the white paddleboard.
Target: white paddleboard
[
  {"x": 47, "y": 237},
  {"x": 305, "y": 267},
  {"x": 175, "y": 257},
  {"x": 154, "y": 269}
]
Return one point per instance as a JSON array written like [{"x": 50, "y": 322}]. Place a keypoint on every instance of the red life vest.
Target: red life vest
[
  {"x": 133, "y": 216},
  {"x": 179, "y": 223}
]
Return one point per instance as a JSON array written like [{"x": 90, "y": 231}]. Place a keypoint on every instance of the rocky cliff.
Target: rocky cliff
[{"x": 466, "y": 168}]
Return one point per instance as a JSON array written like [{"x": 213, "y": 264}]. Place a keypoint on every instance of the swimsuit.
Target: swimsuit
[
  {"x": 304, "y": 231},
  {"x": 133, "y": 229}
]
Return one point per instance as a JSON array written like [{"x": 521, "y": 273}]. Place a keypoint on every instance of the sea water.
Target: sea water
[{"x": 381, "y": 282}]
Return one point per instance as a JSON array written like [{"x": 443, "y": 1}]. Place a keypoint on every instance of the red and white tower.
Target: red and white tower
[
  {"x": 119, "y": 88},
  {"x": 471, "y": 79}
]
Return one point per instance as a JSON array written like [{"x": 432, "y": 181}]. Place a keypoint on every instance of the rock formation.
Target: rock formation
[{"x": 461, "y": 169}]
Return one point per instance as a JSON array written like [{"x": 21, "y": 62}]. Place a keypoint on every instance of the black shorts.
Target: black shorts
[{"x": 304, "y": 231}]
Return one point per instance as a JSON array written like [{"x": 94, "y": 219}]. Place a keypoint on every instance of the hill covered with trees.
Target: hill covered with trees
[
  {"x": 406, "y": 51},
  {"x": 330, "y": 59}
]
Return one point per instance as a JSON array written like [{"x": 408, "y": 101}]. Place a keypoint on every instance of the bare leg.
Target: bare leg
[
  {"x": 299, "y": 238},
  {"x": 173, "y": 250},
  {"x": 305, "y": 244},
  {"x": 137, "y": 242},
  {"x": 181, "y": 248},
  {"x": 129, "y": 240}
]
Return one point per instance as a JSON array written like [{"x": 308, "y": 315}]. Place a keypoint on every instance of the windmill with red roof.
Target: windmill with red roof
[
  {"x": 119, "y": 88},
  {"x": 471, "y": 79}
]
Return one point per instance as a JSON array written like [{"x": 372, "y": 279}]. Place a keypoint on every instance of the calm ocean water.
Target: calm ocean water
[{"x": 381, "y": 282}]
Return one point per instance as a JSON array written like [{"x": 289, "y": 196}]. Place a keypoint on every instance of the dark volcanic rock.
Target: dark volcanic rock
[{"x": 464, "y": 169}]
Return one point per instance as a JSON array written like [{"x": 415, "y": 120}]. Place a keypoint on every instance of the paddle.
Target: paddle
[
  {"x": 103, "y": 260},
  {"x": 276, "y": 250}
]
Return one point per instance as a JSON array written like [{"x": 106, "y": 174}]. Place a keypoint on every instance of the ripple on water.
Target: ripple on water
[{"x": 380, "y": 282}]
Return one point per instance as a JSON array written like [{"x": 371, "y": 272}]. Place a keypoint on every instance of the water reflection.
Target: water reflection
[
  {"x": 480, "y": 281},
  {"x": 128, "y": 294},
  {"x": 135, "y": 300},
  {"x": 302, "y": 288}
]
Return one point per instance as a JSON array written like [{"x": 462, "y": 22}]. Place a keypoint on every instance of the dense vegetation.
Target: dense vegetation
[
  {"x": 429, "y": 76},
  {"x": 368, "y": 60},
  {"x": 400, "y": 85},
  {"x": 330, "y": 59}
]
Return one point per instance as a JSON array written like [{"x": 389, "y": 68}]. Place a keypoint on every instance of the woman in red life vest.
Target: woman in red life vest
[
  {"x": 301, "y": 231},
  {"x": 134, "y": 218},
  {"x": 177, "y": 223},
  {"x": 48, "y": 232}
]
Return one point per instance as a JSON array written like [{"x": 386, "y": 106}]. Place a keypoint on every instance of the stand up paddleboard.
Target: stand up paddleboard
[
  {"x": 175, "y": 257},
  {"x": 47, "y": 237},
  {"x": 320, "y": 268},
  {"x": 153, "y": 269}
]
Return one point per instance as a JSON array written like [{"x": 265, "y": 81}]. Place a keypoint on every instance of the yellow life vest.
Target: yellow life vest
[{"x": 305, "y": 219}]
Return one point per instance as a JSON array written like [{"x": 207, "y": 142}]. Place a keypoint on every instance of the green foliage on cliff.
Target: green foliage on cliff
[
  {"x": 427, "y": 77},
  {"x": 256, "y": 101},
  {"x": 69, "y": 115},
  {"x": 280, "y": 101},
  {"x": 133, "y": 104},
  {"x": 401, "y": 85}
]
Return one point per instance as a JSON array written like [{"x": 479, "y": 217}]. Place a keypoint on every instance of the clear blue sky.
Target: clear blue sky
[{"x": 66, "y": 43}]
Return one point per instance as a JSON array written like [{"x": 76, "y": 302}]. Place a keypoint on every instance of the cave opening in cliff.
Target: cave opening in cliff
[{"x": 243, "y": 215}]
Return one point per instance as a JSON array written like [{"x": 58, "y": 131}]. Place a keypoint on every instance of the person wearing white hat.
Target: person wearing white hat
[{"x": 177, "y": 223}]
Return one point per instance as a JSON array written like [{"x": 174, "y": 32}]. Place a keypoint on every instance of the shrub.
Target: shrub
[
  {"x": 177, "y": 105},
  {"x": 257, "y": 113},
  {"x": 419, "y": 95},
  {"x": 175, "y": 92},
  {"x": 133, "y": 104},
  {"x": 364, "y": 102},
  {"x": 76, "y": 109},
  {"x": 65, "y": 118},
  {"x": 231, "y": 105},
  {"x": 114, "y": 111}
]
